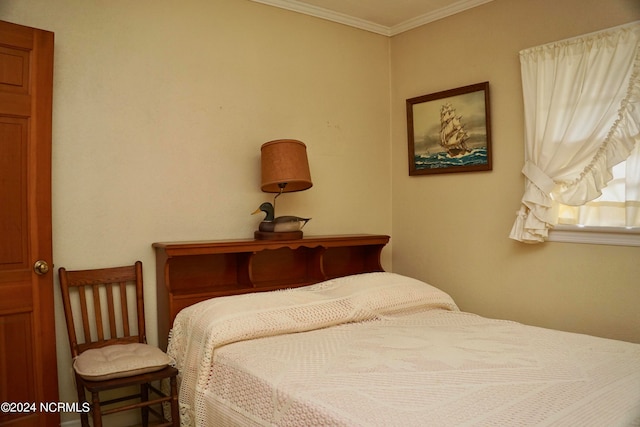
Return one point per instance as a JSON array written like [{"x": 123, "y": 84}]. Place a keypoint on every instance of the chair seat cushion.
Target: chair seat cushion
[{"x": 120, "y": 360}]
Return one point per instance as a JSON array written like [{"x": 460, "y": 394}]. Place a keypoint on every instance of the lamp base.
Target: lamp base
[{"x": 277, "y": 235}]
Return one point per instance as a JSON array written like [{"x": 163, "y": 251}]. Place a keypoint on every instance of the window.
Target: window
[
  {"x": 619, "y": 204},
  {"x": 582, "y": 125},
  {"x": 611, "y": 219}
]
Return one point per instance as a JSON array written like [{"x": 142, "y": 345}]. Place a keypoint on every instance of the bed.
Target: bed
[{"x": 382, "y": 349}]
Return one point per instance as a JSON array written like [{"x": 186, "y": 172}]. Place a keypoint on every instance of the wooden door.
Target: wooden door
[{"x": 28, "y": 372}]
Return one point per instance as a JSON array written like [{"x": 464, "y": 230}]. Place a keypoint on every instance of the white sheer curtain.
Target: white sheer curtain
[{"x": 582, "y": 117}]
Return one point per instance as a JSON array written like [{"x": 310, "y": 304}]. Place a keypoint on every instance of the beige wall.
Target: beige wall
[
  {"x": 160, "y": 108},
  {"x": 452, "y": 229}
]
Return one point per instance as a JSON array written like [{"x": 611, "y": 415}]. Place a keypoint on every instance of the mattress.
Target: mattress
[{"x": 381, "y": 349}]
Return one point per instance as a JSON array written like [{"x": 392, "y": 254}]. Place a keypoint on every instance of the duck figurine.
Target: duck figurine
[{"x": 281, "y": 224}]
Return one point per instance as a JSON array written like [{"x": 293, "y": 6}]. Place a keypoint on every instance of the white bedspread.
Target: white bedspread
[{"x": 398, "y": 353}]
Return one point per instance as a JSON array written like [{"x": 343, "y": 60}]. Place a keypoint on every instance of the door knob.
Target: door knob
[{"x": 41, "y": 267}]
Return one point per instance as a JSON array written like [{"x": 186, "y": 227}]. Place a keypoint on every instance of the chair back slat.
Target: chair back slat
[
  {"x": 140, "y": 303},
  {"x": 98, "y": 311},
  {"x": 86, "y": 329},
  {"x": 111, "y": 309},
  {"x": 106, "y": 317},
  {"x": 125, "y": 309}
]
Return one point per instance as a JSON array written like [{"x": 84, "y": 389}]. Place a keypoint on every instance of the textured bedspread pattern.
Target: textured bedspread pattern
[
  {"x": 398, "y": 353},
  {"x": 204, "y": 327}
]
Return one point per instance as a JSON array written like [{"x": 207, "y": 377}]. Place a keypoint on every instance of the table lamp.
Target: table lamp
[{"x": 285, "y": 169}]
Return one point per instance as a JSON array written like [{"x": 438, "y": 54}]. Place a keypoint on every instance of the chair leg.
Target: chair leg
[
  {"x": 175, "y": 410},
  {"x": 84, "y": 417},
  {"x": 144, "y": 397},
  {"x": 97, "y": 416}
]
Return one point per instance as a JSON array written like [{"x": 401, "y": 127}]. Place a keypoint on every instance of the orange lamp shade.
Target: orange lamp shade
[{"x": 285, "y": 167}]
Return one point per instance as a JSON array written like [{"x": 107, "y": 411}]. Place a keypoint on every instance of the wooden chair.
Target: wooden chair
[{"x": 113, "y": 353}]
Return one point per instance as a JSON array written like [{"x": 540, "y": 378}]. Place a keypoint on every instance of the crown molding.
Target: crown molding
[
  {"x": 341, "y": 18},
  {"x": 452, "y": 9},
  {"x": 330, "y": 15}
]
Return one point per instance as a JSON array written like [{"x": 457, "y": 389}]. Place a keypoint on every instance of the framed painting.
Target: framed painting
[{"x": 450, "y": 131}]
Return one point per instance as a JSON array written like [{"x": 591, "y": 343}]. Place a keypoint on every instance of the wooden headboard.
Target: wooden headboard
[{"x": 190, "y": 272}]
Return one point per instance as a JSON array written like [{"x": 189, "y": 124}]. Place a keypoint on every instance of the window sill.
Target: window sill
[{"x": 617, "y": 236}]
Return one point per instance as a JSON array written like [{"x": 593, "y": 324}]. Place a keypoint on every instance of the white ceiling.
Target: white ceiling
[{"x": 387, "y": 17}]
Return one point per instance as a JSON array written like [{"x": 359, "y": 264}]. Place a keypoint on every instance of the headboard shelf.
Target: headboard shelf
[{"x": 190, "y": 272}]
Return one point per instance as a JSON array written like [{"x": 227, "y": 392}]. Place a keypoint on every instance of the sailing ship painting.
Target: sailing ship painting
[
  {"x": 453, "y": 135},
  {"x": 450, "y": 131}
]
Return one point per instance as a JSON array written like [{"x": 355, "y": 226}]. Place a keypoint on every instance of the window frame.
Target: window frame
[{"x": 616, "y": 236}]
